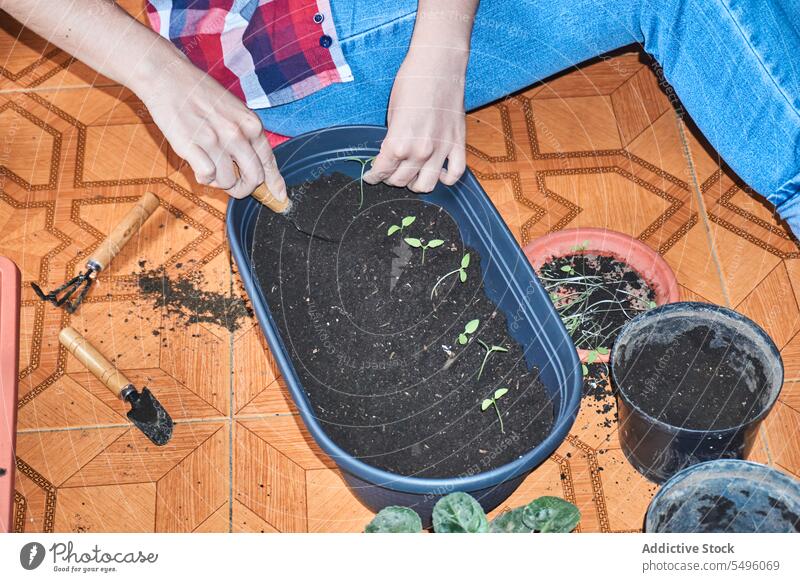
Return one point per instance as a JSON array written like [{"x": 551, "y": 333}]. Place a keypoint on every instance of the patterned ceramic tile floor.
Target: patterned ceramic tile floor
[{"x": 602, "y": 146}]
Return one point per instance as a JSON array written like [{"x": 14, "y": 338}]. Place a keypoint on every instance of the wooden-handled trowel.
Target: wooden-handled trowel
[
  {"x": 286, "y": 209},
  {"x": 146, "y": 411}
]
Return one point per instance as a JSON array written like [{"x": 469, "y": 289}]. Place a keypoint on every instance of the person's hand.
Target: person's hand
[
  {"x": 212, "y": 130},
  {"x": 426, "y": 124}
]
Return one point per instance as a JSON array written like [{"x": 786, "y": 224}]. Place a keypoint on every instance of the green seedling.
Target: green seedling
[
  {"x": 568, "y": 269},
  {"x": 493, "y": 402},
  {"x": 469, "y": 329},
  {"x": 652, "y": 305},
  {"x": 418, "y": 244},
  {"x": 407, "y": 221},
  {"x": 461, "y": 271},
  {"x": 363, "y": 162},
  {"x": 581, "y": 247},
  {"x": 595, "y": 354},
  {"x": 489, "y": 351}
]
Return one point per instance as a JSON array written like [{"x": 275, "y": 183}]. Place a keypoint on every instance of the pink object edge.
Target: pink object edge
[
  {"x": 9, "y": 374},
  {"x": 644, "y": 260}
]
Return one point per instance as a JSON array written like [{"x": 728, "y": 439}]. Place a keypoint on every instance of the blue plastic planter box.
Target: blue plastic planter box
[{"x": 509, "y": 281}]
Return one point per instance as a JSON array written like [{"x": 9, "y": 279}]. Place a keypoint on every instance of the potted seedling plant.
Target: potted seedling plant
[
  {"x": 392, "y": 335},
  {"x": 598, "y": 280}
]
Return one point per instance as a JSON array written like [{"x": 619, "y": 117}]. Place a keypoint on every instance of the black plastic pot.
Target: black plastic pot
[
  {"x": 657, "y": 449},
  {"x": 726, "y": 496}
]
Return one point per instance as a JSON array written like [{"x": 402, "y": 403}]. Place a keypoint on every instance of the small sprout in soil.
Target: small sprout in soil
[
  {"x": 585, "y": 370},
  {"x": 500, "y": 392},
  {"x": 363, "y": 162},
  {"x": 568, "y": 269},
  {"x": 469, "y": 329},
  {"x": 489, "y": 351},
  {"x": 418, "y": 244},
  {"x": 462, "y": 274},
  {"x": 652, "y": 305},
  {"x": 407, "y": 221},
  {"x": 581, "y": 247}
]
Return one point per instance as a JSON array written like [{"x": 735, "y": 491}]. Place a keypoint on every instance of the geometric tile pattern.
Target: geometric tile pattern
[{"x": 603, "y": 146}]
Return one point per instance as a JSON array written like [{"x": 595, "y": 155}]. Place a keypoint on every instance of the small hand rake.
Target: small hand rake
[{"x": 79, "y": 285}]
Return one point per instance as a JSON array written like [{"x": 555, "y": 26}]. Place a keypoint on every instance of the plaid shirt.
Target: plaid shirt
[{"x": 267, "y": 52}]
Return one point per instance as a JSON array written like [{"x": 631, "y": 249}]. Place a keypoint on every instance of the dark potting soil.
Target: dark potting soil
[
  {"x": 377, "y": 356},
  {"x": 183, "y": 295},
  {"x": 595, "y": 296},
  {"x": 696, "y": 381}
]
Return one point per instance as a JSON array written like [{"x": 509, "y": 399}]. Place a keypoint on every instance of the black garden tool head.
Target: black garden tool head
[
  {"x": 149, "y": 416},
  {"x": 60, "y": 297}
]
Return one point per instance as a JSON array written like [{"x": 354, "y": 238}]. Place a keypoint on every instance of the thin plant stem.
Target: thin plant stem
[{"x": 499, "y": 417}]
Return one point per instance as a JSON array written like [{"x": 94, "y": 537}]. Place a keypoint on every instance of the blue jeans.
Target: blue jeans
[{"x": 735, "y": 64}]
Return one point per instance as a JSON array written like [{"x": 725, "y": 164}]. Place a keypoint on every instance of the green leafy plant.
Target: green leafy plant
[
  {"x": 406, "y": 222},
  {"x": 469, "y": 329},
  {"x": 489, "y": 351},
  {"x": 363, "y": 162},
  {"x": 581, "y": 247},
  {"x": 461, "y": 513},
  {"x": 461, "y": 271},
  {"x": 418, "y": 244},
  {"x": 395, "y": 519},
  {"x": 499, "y": 393},
  {"x": 652, "y": 305}
]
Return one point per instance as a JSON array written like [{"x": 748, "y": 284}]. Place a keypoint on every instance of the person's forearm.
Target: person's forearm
[
  {"x": 99, "y": 33},
  {"x": 444, "y": 27}
]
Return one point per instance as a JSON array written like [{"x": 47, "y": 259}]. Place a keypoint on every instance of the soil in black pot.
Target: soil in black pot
[
  {"x": 378, "y": 357},
  {"x": 595, "y": 296},
  {"x": 699, "y": 379}
]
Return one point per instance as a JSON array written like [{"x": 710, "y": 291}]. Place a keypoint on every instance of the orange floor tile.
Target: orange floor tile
[{"x": 602, "y": 146}]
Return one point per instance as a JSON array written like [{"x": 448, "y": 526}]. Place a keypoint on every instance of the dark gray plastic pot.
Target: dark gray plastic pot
[
  {"x": 509, "y": 282},
  {"x": 726, "y": 496},
  {"x": 657, "y": 449}
]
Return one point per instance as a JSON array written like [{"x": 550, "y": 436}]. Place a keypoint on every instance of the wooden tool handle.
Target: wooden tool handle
[
  {"x": 122, "y": 233},
  {"x": 97, "y": 364},
  {"x": 263, "y": 195}
]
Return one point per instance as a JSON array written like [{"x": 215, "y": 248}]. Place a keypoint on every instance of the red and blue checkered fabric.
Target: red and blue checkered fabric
[{"x": 267, "y": 52}]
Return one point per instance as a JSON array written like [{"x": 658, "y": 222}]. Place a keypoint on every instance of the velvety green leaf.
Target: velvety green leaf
[
  {"x": 408, "y": 220},
  {"x": 437, "y": 242},
  {"x": 585, "y": 369},
  {"x": 413, "y": 242},
  {"x": 551, "y": 514},
  {"x": 465, "y": 261},
  {"x": 459, "y": 513},
  {"x": 602, "y": 351},
  {"x": 395, "y": 519},
  {"x": 652, "y": 305},
  {"x": 566, "y": 268},
  {"x": 500, "y": 392},
  {"x": 462, "y": 339},
  {"x": 392, "y": 229},
  {"x": 509, "y": 522},
  {"x": 592, "y": 357},
  {"x": 462, "y": 275},
  {"x": 471, "y": 326},
  {"x": 486, "y": 404},
  {"x": 499, "y": 349}
]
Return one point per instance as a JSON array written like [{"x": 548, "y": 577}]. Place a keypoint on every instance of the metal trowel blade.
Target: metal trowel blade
[
  {"x": 150, "y": 417},
  {"x": 291, "y": 217}
]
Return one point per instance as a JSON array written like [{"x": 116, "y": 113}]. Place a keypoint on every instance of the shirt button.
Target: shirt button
[
  {"x": 319, "y": 17},
  {"x": 325, "y": 41}
]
